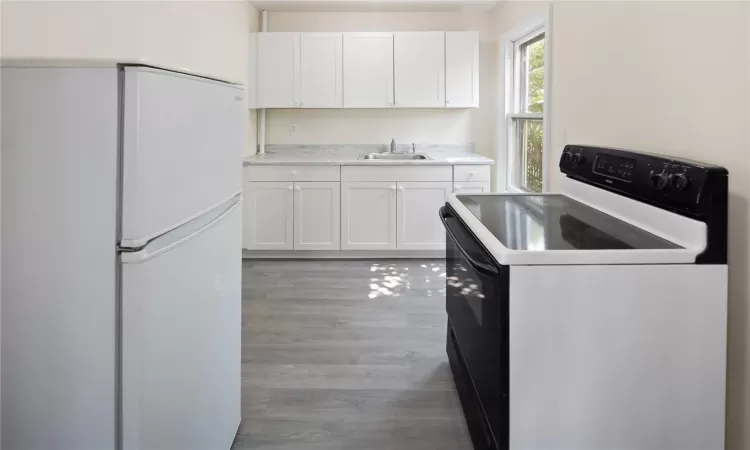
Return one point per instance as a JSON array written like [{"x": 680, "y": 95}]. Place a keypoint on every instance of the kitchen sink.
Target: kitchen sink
[{"x": 394, "y": 156}]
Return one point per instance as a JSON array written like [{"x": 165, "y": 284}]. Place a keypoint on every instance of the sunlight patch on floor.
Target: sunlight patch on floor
[{"x": 395, "y": 281}]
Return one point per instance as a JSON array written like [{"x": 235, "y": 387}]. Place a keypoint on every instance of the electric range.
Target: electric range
[{"x": 594, "y": 318}]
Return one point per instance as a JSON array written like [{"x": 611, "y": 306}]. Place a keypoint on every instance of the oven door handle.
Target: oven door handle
[{"x": 481, "y": 267}]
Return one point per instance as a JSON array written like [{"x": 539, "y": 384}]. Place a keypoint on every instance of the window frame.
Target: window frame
[
  {"x": 520, "y": 89},
  {"x": 507, "y": 154}
]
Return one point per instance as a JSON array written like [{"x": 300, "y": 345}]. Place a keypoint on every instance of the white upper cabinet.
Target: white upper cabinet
[
  {"x": 419, "y": 69},
  {"x": 368, "y": 70},
  {"x": 278, "y": 70},
  {"x": 461, "y": 69},
  {"x": 321, "y": 78},
  {"x": 298, "y": 70},
  {"x": 431, "y": 69}
]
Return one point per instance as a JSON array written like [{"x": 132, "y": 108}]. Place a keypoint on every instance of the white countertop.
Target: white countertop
[{"x": 349, "y": 155}]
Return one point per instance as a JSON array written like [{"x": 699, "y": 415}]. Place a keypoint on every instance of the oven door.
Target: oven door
[{"x": 477, "y": 306}]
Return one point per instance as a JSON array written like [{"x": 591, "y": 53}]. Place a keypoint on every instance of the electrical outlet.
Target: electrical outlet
[{"x": 292, "y": 128}]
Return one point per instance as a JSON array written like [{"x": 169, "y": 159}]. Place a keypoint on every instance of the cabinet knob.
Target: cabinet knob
[
  {"x": 301, "y": 103},
  {"x": 298, "y": 188},
  {"x": 473, "y": 173},
  {"x": 458, "y": 187},
  {"x": 294, "y": 172},
  {"x": 393, "y": 188},
  {"x": 289, "y": 187},
  {"x": 401, "y": 188}
]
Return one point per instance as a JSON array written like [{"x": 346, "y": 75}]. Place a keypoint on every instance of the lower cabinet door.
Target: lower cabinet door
[
  {"x": 419, "y": 226},
  {"x": 268, "y": 208},
  {"x": 472, "y": 187},
  {"x": 368, "y": 215},
  {"x": 317, "y": 216}
]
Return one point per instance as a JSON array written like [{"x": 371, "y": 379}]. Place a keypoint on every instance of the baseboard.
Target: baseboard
[{"x": 343, "y": 254}]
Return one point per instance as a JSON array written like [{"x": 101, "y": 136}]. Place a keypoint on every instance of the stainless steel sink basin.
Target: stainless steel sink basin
[{"x": 394, "y": 156}]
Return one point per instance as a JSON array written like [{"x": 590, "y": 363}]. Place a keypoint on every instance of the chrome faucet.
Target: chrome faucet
[
  {"x": 413, "y": 148},
  {"x": 393, "y": 145}
]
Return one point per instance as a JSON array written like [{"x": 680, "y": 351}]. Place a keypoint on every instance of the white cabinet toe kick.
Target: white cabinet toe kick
[{"x": 351, "y": 211}]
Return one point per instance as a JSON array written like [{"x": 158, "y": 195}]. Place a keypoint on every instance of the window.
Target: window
[{"x": 525, "y": 111}]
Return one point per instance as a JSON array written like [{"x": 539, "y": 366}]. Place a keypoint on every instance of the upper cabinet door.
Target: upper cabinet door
[
  {"x": 368, "y": 70},
  {"x": 321, "y": 78},
  {"x": 462, "y": 69},
  {"x": 278, "y": 69},
  {"x": 419, "y": 63}
]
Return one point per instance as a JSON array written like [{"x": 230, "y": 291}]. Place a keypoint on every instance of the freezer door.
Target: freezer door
[
  {"x": 181, "y": 336},
  {"x": 183, "y": 141}
]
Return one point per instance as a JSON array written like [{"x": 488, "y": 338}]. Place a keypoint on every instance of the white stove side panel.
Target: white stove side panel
[{"x": 618, "y": 357}]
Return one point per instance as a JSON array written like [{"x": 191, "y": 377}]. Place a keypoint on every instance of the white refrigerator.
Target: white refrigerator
[{"x": 120, "y": 194}]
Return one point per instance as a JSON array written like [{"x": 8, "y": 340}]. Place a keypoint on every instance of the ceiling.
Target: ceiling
[{"x": 371, "y": 5}]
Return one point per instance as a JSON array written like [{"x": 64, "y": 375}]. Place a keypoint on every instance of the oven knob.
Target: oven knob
[
  {"x": 659, "y": 180},
  {"x": 680, "y": 181},
  {"x": 566, "y": 155},
  {"x": 577, "y": 158}
]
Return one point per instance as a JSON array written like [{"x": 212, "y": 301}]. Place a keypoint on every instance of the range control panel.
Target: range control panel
[
  {"x": 613, "y": 166},
  {"x": 673, "y": 183}
]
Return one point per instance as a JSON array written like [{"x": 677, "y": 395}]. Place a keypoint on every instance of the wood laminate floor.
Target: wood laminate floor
[{"x": 347, "y": 355}]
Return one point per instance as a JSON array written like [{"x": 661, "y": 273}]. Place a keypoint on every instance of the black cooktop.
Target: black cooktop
[{"x": 556, "y": 222}]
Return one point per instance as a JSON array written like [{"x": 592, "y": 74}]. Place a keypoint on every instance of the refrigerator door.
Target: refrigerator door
[
  {"x": 183, "y": 141},
  {"x": 181, "y": 324}
]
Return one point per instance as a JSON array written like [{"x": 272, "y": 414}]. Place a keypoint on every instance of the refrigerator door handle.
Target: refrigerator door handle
[{"x": 180, "y": 234}]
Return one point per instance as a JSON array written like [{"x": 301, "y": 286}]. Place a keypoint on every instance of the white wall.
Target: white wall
[
  {"x": 511, "y": 15},
  {"x": 440, "y": 126},
  {"x": 673, "y": 78},
  {"x": 207, "y": 37},
  {"x": 365, "y": 126}
]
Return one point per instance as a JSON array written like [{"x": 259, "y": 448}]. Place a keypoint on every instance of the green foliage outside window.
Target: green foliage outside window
[{"x": 532, "y": 132}]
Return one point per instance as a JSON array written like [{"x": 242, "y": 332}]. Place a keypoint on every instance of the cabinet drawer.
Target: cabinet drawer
[
  {"x": 471, "y": 173},
  {"x": 471, "y": 187},
  {"x": 292, "y": 173},
  {"x": 396, "y": 173}
]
